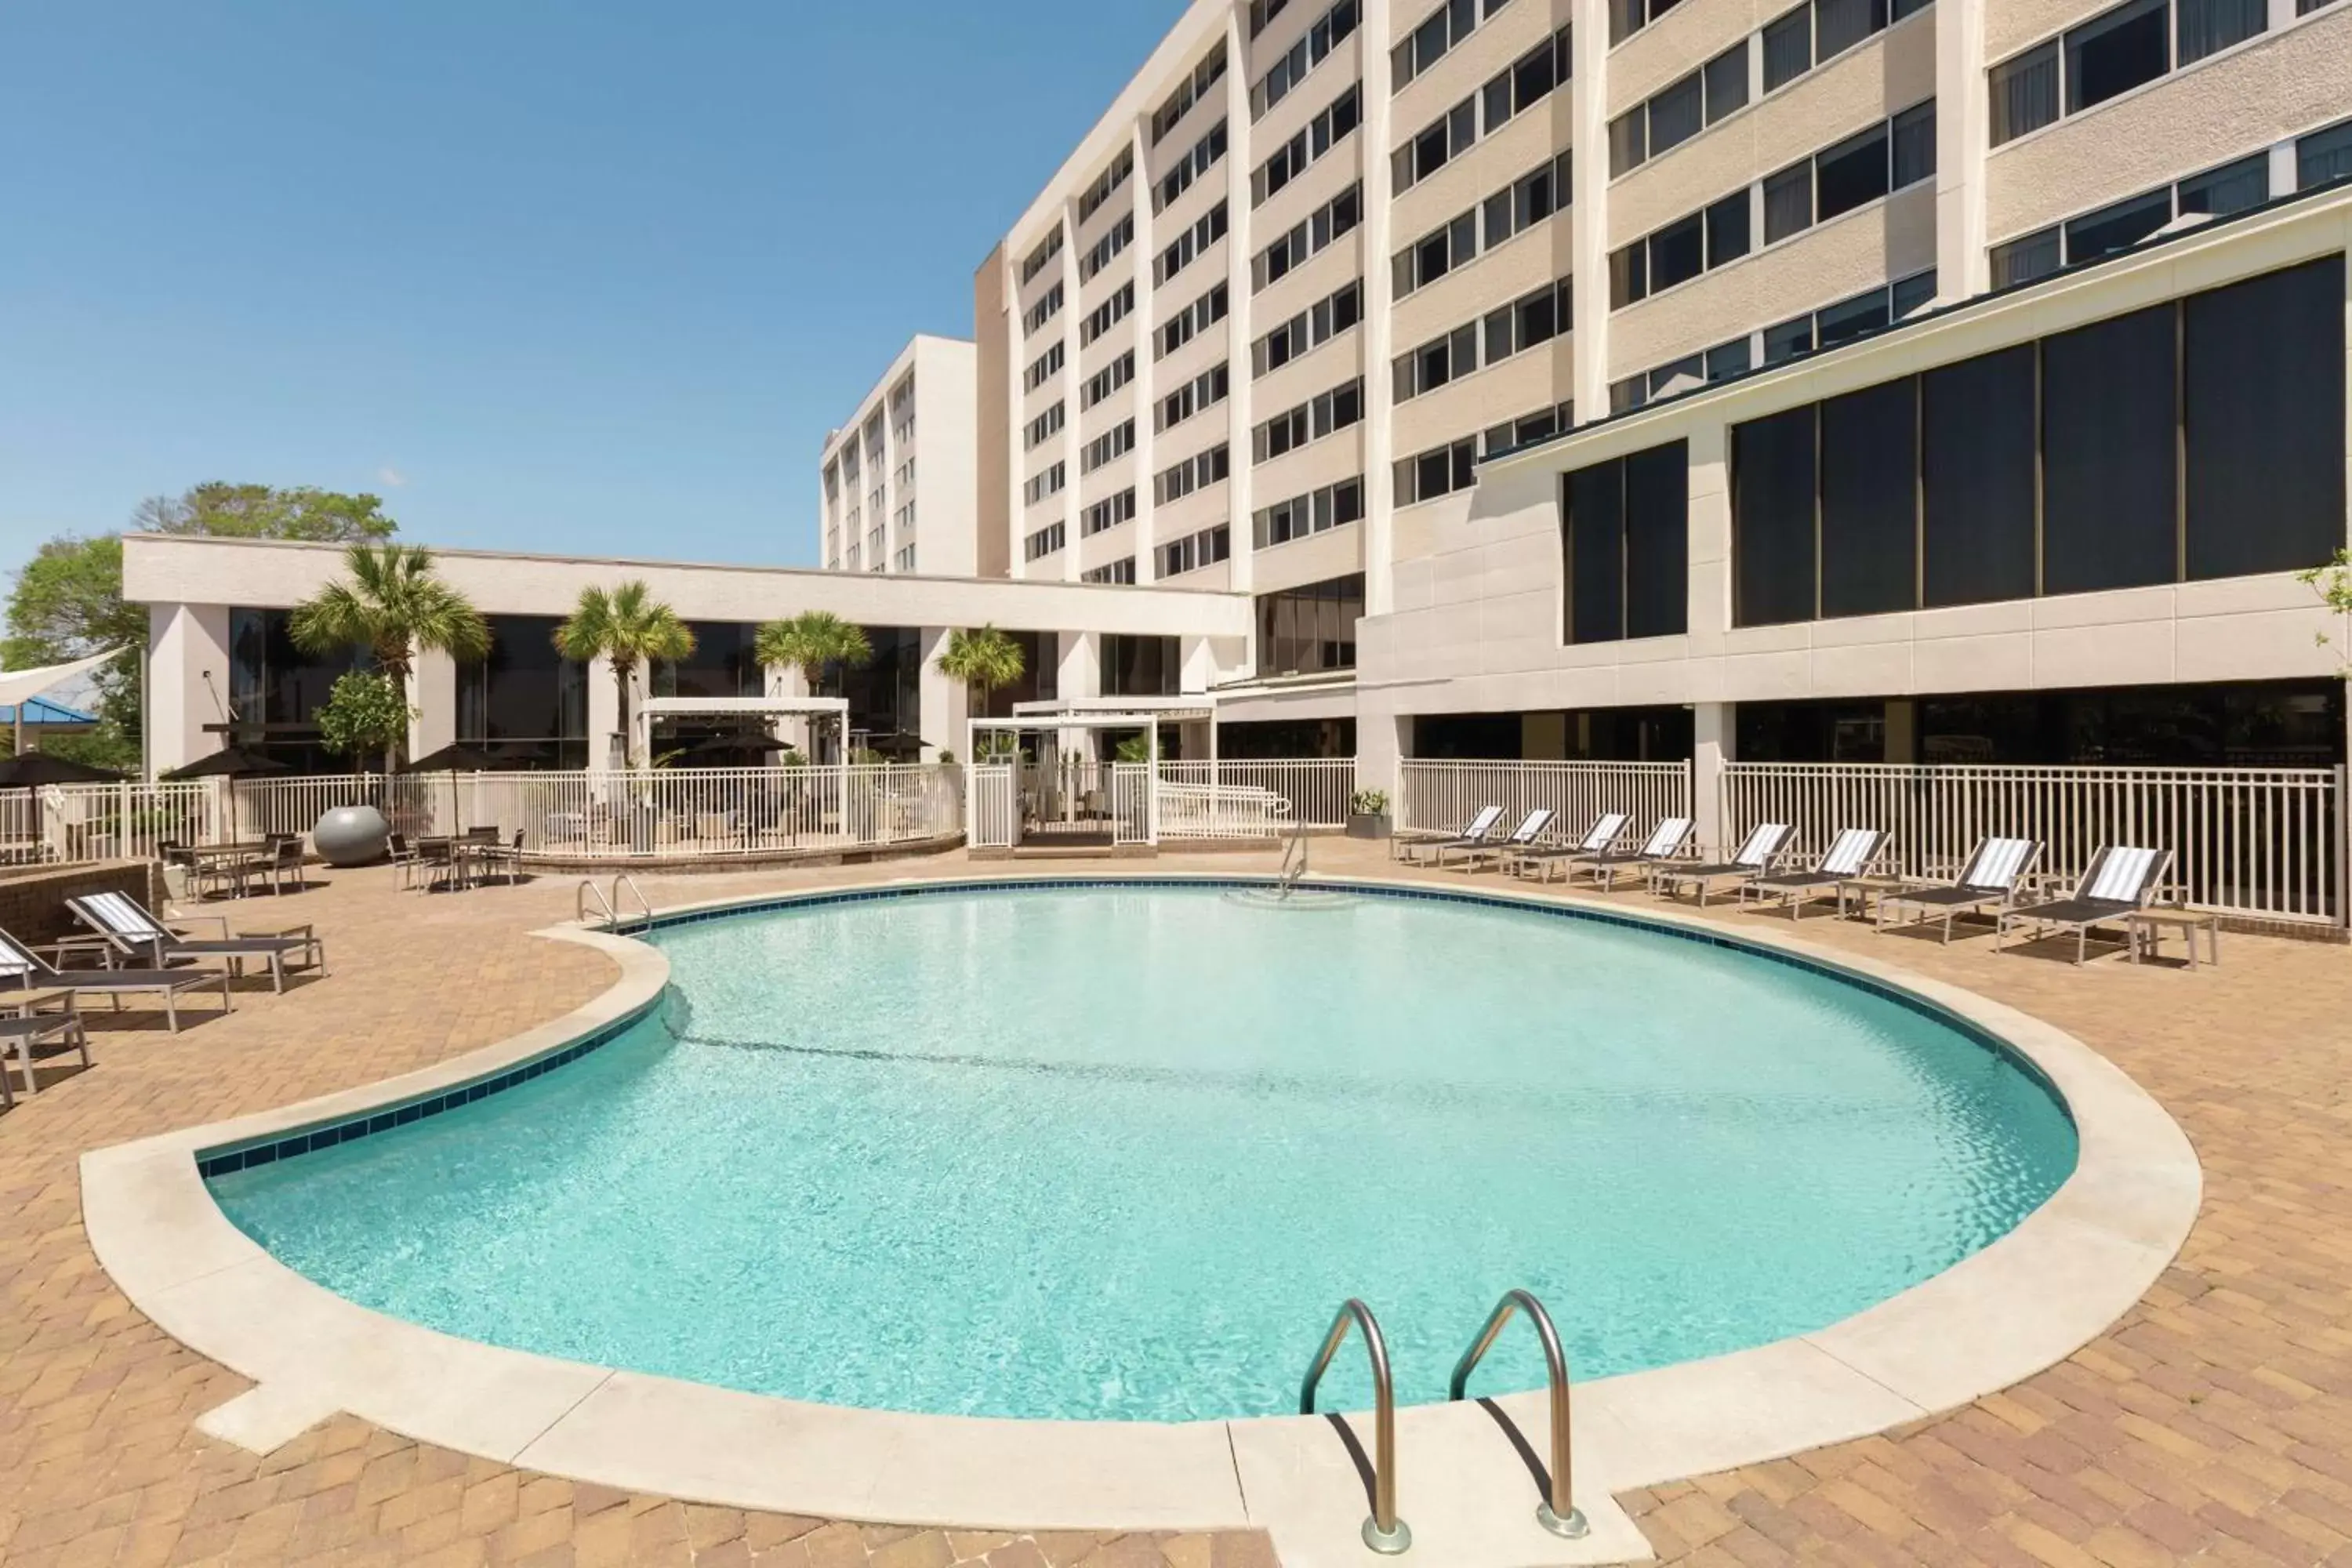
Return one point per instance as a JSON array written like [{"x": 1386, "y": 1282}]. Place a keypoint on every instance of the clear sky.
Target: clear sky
[{"x": 596, "y": 275}]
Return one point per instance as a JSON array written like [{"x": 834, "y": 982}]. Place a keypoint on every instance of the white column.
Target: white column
[
  {"x": 1380, "y": 283},
  {"x": 1077, "y": 674},
  {"x": 1711, "y": 747},
  {"x": 1241, "y": 320},
  {"x": 1962, "y": 137},
  {"x": 1148, "y": 389},
  {"x": 187, "y": 682},
  {"x": 603, "y": 716},
  {"x": 1588, "y": 212},
  {"x": 432, "y": 702},
  {"x": 940, "y": 700}
]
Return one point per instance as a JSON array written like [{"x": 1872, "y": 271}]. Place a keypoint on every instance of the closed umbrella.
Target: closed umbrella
[{"x": 230, "y": 763}]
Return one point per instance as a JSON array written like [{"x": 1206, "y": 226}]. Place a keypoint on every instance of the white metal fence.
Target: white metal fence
[
  {"x": 2262, "y": 842},
  {"x": 1309, "y": 791},
  {"x": 1441, "y": 796}
]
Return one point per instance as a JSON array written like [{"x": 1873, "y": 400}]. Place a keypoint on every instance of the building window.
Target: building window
[
  {"x": 1510, "y": 93},
  {"x": 1310, "y": 421},
  {"x": 1108, "y": 380},
  {"x": 1042, "y": 427},
  {"x": 1100, "y": 255},
  {"x": 1194, "y": 551},
  {"x": 1204, "y": 391},
  {"x": 1318, "y": 511},
  {"x": 1525, "y": 322},
  {"x": 1048, "y": 249},
  {"x": 2324, "y": 156},
  {"x": 1048, "y": 304},
  {"x": 1140, "y": 666},
  {"x": 1199, "y": 160},
  {"x": 1678, "y": 112},
  {"x": 1444, "y": 28},
  {"x": 1039, "y": 373},
  {"x": 2233, "y": 188},
  {"x": 1197, "y": 472},
  {"x": 1439, "y": 471},
  {"x": 1119, "y": 571},
  {"x": 1194, "y": 89},
  {"x": 1625, "y": 546},
  {"x": 1110, "y": 180},
  {"x": 1332, "y": 220},
  {"x": 1191, "y": 321},
  {"x": 1113, "y": 443},
  {"x": 1043, "y": 543},
  {"x": 1107, "y": 314},
  {"x": 2111, "y": 54},
  {"x": 1190, "y": 246},
  {"x": 1335, "y": 124},
  {"x": 1317, "y": 325},
  {"x": 1108, "y": 513},
  {"x": 1304, "y": 630},
  {"x": 1524, "y": 203},
  {"x": 1324, "y": 35},
  {"x": 1044, "y": 484}
]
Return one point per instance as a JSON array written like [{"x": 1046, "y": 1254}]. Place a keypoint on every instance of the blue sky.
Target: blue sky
[{"x": 589, "y": 277}]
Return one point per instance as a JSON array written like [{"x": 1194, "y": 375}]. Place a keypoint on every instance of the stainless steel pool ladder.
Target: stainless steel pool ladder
[
  {"x": 1383, "y": 1531},
  {"x": 1293, "y": 859},
  {"x": 609, "y": 908},
  {"x": 1557, "y": 1512}
]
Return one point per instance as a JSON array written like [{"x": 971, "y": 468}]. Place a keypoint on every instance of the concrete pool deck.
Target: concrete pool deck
[{"x": 454, "y": 938}]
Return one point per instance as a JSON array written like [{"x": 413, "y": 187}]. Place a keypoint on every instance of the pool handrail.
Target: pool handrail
[
  {"x": 1383, "y": 1531},
  {"x": 1557, "y": 1512}
]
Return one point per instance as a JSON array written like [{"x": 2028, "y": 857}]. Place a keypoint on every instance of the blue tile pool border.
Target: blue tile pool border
[{"x": 249, "y": 1153}]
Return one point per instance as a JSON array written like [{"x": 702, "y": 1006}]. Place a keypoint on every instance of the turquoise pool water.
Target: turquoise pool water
[{"x": 1103, "y": 1153}]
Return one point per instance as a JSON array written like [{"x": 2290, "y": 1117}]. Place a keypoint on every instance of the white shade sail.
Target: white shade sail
[{"x": 20, "y": 686}]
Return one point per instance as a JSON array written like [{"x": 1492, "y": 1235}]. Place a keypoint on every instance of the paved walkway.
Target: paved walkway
[{"x": 2214, "y": 1423}]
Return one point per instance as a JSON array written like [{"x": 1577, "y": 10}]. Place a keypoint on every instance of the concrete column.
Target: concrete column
[
  {"x": 1148, "y": 389},
  {"x": 187, "y": 682},
  {"x": 1712, "y": 729},
  {"x": 1198, "y": 658},
  {"x": 1379, "y": 747},
  {"x": 1962, "y": 137},
  {"x": 432, "y": 702},
  {"x": 941, "y": 702},
  {"x": 605, "y": 742},
  {"x": 1241, "y": 318},
  {"x": 1077, "y": 674},
  {"x": 1379, "y": 285},
  {"x": 1588, "y": 212}
]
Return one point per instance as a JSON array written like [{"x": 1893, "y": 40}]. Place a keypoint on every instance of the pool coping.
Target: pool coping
[{"x": 2057, "y": 1280}]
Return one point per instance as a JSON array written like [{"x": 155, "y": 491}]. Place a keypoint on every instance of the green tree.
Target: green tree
[
  {"x": 629, "y": 627},
  {"x": 2332, "y": 583},
  {"x": 263, "y": 512},
  {"x": 66, "y": 604},
  {"x": 395, "y": 605},
  {"x": 364, "y": 715},
  {"x": 810, "y": 641},
  {"x": 985, "y": 659}
]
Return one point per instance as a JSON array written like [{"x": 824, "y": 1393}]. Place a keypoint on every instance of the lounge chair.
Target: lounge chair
[
  {"x": 1662, "y": 847},
  {"x": 1544, "y": 857},
  {"x": 1480, "y": 829},
  {"x": 22, "y": 968},
  {"x": 2118, "y": 883},
  {"x": 1988, "y": 881},
  {"x": 25, "y": 1030},
  {"x": 1752, "y": 859},
  {"x": 132, "y": 933},
  {"x": 1530, "y": 828},
  {"x": 1849, "y": 858}
]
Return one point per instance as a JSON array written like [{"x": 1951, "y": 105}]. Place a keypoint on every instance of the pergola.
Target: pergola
[
  {"x": 1094, "y": 714},
  {"x": 812, "y": 708}
]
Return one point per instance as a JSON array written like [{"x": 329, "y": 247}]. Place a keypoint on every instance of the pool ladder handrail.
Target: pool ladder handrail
[
  {"x": 1383, "y": 1531},
  {"x": 609, "y": 907},
  {"x": 1557, "y": 1512},
  {"x": 1293, "y": 859}
]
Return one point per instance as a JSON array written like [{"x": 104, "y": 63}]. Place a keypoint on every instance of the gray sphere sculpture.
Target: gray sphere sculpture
[{"x": 351, "y": 835}]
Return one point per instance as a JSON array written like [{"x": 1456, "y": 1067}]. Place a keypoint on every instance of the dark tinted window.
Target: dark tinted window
[
  {"x": 1869, "y": 513},
  {"x": 1726, "y": 81},
  {"x": 2117, "y": 227},
  {"x": 1596, "y": 552},
  {"x": 2116, "y": 53},
  {"x": 1676, "y": 254},
  {"x": 1773, "y": 518},
  {"x": 1977, "y": 469},
  {"x": 2323, "y": 156},
  {"x": 1788, "y": 47},
  {"x": 2024, "y": 92},
  {"x": 2233, "y": 188},
  {"x": 2263, "y": 364},
  {"x": 2108, "y": 494},
  {"x": 1657, "y": 540},
  {"x": 1851, "y": 172},
  {"x": 1727, "y": 229},
  {"x": 1675, "y": 114}
]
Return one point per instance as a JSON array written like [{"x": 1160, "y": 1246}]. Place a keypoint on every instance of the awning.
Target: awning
[{"x": 21, "y": 686}]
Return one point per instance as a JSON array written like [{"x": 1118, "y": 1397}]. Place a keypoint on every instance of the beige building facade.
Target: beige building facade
[{"x": 897, "y": 480}]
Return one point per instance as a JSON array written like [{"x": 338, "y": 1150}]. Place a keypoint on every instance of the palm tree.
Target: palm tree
[
  {"x": 395, "y": 605},
  {"x": 983, "y": 659},
  {"x": 628, "y": 626},
  {"x": 810, "y": 641}
]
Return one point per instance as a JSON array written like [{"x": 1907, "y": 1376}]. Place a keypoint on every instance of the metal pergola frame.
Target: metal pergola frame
[
  {"x": 641, "y": 720},
  {"x": 1144, "y": 713}
]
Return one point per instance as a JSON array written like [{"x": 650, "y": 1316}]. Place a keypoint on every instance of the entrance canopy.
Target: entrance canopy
[
  {"x": 1144, "y": 713},
  {"x": 811, "y": 708}
]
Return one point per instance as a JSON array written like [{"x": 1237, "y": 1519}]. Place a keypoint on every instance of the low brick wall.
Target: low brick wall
[{"x": 33, "y": 899}]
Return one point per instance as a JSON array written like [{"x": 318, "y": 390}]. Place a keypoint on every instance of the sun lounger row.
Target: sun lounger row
[{"x": 2120, "y": 881}]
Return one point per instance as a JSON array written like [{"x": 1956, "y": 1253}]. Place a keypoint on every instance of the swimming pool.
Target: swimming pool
[{"x": 1118, "y": 1151}]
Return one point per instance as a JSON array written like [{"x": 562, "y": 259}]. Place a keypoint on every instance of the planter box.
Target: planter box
[{"x": 1368, "y": 825}]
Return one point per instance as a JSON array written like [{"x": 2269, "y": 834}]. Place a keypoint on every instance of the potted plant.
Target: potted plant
[{"x": 1368, "y": 814}]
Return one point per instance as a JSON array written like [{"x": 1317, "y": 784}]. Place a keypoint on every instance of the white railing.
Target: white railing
[
  {"x": 995, "y": 808},
  {"x": 1441, "y": 796},
  {"x": 2259, "y": 842},
  {"x": 1130, "y": 803},
  {"x": 1314, "y": 791},
  {"x": 72, "y": 823}
]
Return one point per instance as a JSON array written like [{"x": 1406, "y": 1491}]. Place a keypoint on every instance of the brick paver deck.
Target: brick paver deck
[{"x": 2214, "y": 1423}]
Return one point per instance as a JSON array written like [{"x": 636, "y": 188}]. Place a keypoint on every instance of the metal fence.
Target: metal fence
[
  {"x": 2259, "y": 842},
  {"x": 1311, "y": 791},
  {"x": 1441, "y": 796}
]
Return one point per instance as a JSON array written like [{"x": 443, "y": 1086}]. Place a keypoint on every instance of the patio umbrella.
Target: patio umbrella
[
  {"x": 28, "y": 770},
  {"x": 230, "y": 763},
  {"x": 454, "y": 759},
  {"x": 730, "y": 751}
]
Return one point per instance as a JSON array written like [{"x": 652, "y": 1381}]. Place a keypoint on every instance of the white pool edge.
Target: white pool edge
[{"x": 2067, "y": 1273}]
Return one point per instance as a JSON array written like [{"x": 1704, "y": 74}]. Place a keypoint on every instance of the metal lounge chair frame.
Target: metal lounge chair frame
[
  {"x": 31, "y": 1027},
  {"x": 1530, "y": 828},
  {"x": 1848, "y": 858},
  {"x": 1665, "y": 847},
  {"x": 1988, "y": 881},
  {"x": 1605, "y": 831},
  {"x": 22, "y": 967},
  {"x": 134, "y": 932},
  {"x": 1764, "y": 844},
  {"x": 1478, "y": 830},
  {"x": 2120, "y": 881}
]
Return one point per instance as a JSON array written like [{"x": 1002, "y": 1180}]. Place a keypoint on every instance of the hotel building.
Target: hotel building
[{"x": 903, "y": 464}]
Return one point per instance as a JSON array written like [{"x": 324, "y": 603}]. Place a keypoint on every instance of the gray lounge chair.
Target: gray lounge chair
[
  {"x": 1480, "y": 829},
  {"x": 1530, "y": 828},
  {"x": 2118, "y": 883},
  {"x": 25, "y": 1030},
  {"x": 1604, "y": 832},
  {"x": 1662, "y": 847},
  {"x": 1848, "y": 858},
  {"x": 1988, "y": 881},
  {"x": 1753, "y": 859},
  {"x": 23, "y": 969},
  {"x": 132, "y": 933}
]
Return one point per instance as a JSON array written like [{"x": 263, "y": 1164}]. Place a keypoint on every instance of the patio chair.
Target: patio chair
[
  {"x": 1479, "y": 830},
  {"x": 22, "y": 1031},
  {"x": 2118, "y": 883},
  {"x": 1752, "y": 859},
  {"x": 1530, "y": 828},
  {"x": 1663, "y": 848},
  {"x": 1988, "y": 881},
  {"x": 1849, "y": 858},
  {"x": 283, "y": 859},
  {"x": 132, "y": 932},
  {"x": 26, "y": 970},
  {"x": 506, "y": 856},
  {"x": 1604, "y": 832},
  {"x": 401, "y": 851}
]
